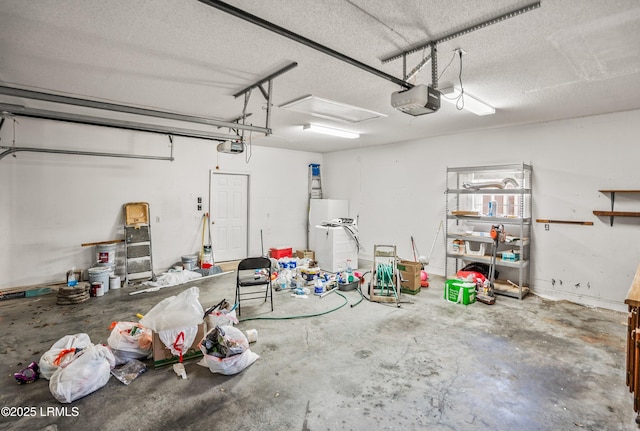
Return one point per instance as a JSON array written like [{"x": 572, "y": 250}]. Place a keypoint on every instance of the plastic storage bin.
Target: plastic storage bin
[
  {"x": 460, "y": 292},
  {"x": 277, "y": 253}
]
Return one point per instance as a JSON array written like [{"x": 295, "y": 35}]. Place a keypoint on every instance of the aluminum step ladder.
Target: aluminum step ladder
[
  {"x": 137, "y": 243},
  {"x": 315, "y": 181},
  {"x": 315, "y": 192}
]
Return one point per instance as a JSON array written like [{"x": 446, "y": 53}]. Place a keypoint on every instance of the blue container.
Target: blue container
[
  {"x": 492, "y": 208},
  {"x": 315, "y": 169}
]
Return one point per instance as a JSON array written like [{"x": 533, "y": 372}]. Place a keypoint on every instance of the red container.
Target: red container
[{"x": 277, "y": 253}]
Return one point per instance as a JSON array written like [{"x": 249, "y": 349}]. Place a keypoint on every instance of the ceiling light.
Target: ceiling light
[
  {"x": 330, "y": 131},
  {"x": 325, "y": 108},
  {"x": 471, "y": 104}
]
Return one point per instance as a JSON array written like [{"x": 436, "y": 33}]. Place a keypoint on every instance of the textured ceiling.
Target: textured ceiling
[{"x": 568, "y": 58}]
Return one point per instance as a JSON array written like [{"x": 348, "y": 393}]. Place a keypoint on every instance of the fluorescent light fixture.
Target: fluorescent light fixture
[
  {"x": 330, "y": 131},
  {"x": 325, "y": 108},
  {"x": 471, "y": 104}
]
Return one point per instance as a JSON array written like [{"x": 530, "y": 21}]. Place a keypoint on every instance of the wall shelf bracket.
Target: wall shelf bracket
[{"x": 612, "y": 214}]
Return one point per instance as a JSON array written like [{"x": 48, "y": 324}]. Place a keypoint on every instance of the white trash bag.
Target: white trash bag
[
  {"x": 129, "y": 340},
  {"x": 180, "y": 311},
  {"x": 231, "y": 365},
  {"x": 62, "y": 352},
  {"x": 89, "y": 372},
  {"x": 220, "y": 318},
  {"x": 226, "y": 350},
  {"x": 173, "y": 278},
  {"x": 179, "y": 340}
]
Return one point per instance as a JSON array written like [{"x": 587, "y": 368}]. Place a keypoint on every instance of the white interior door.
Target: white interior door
[{"x": 228, "y": 206}]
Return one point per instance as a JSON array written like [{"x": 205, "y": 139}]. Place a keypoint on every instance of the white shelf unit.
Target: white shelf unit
[{"x": 468, "y": 193}]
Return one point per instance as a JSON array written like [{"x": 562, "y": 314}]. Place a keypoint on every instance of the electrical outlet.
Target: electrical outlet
[
  {"x": 460, "y": 50},
  {"x": 199, "y": 200},
  {"x": 546, "y": 226},
  {"x": 199, "y": 207},
  {"x": 157, "y": 219}
]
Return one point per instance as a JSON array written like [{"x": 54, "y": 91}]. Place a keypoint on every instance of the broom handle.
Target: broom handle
[
  {"x": 434, "y": 240},
  {"x": 413, "y": 248},
  {"x": 204, "y": 224}
]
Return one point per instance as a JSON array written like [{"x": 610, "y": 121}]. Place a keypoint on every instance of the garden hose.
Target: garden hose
[
  {"x": 384, "y": 276},
  {"x": 302, "y": 316}
]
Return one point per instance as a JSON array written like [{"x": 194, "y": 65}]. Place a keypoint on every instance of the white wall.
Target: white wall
[
  {"x": 397, "y": 191},
  {"x": 51, "y": 204}
]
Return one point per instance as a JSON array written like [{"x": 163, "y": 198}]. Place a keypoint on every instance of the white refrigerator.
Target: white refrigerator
[{"x": 322, "y": 210}]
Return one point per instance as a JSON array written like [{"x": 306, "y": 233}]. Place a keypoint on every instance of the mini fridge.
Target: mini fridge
[{"x": 334, "y": 246}]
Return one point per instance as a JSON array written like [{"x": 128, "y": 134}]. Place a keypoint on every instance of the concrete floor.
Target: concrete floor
[{"x": 516, "y": 365}]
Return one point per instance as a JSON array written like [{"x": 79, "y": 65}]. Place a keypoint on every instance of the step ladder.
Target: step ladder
[
  {"x": 315, "y": 181},
  {"x": 137, "y": 243}
]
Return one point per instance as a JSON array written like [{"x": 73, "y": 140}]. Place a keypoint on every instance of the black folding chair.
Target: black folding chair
[{"x": 253, "y": 271}]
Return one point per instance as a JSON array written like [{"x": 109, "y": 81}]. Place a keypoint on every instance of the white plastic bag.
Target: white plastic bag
[
  {"x": 61, "y": 353},
  {"x": 283, "y": 281},
  {"x": 173, "y": 278},
  {"x": 129, "y": 340},
  {"x": 178, "y": 311},
  {"x": 231, "y": 365},
  {"x": 220, "y": 318},
  {"x": 179, "y": 340},
  {"x": 87, "y": 373},
  {"x": 226, "y": 350},
  {"x": 129, "y": 371}
]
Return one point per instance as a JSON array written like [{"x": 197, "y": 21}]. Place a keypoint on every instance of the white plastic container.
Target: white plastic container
[
  {"x": 114, "y": 282},
  {"x": 480, "y": 252},
  {"x": 333, "y": 247}
]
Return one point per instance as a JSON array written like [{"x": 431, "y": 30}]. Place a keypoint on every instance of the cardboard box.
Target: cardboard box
[
  {"x": 511, "y": 256},
  {"x": 306, "y": 254},
  {"x": 460, "y": 292},
  {"x": 410, "y": 275},
  {"x": 162, "y": 355},
  {"x": 410, "y": 266}
]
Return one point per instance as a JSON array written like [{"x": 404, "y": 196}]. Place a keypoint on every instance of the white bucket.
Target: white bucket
[
  {"x": 190, "y": 262},
  {"x": 114, "y": 282},
  {"x": 106, "y": 254},
  {"x": 100, "y": 273},
  {"x": 252, "y": 335}
]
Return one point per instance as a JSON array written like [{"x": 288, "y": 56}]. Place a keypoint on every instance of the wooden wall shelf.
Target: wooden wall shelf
[
  {"x": 617, "y": 213},
  {"x": 612, "y": 214},
  {"x": 619, "y": 191}
]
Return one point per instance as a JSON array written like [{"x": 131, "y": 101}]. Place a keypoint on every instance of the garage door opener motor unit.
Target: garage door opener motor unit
[
  {"x": 419, "y": 100},
  {"x": 231, "y": 147}
]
